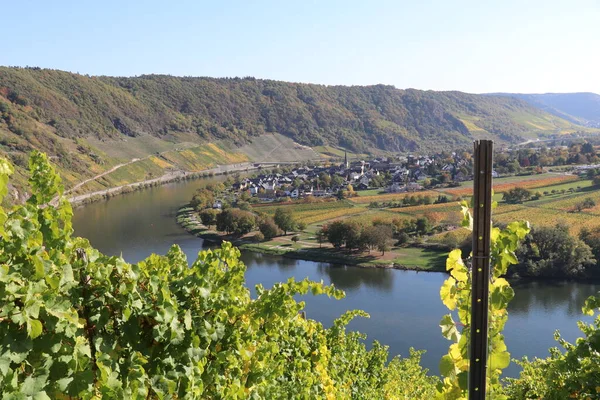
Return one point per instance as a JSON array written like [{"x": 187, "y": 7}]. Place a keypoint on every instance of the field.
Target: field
[
  {"x": 564, "y": 192},
  {"x": 185, "y": 157},
  {"x": 311, "y": 213},
  {"x": 275, "y": 147},
  {"x": 387, "y": 197},
  {"x": 504, "y": 184}
]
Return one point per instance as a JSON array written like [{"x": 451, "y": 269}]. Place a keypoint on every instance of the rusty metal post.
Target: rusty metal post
[{"x": 482, "y": 225}]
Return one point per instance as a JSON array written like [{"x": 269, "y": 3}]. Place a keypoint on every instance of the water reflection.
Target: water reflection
[
  {"x": 551, "y": 296},
  {"x": 267, "y": 260},
  {"x": 352, "y": 278}
]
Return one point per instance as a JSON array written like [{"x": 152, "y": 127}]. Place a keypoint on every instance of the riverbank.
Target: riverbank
[
  {"x": 416, "y": 259},
  {"x": 170, "y": 177}
]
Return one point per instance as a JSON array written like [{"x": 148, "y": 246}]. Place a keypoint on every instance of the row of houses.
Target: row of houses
[{"x": 401, "y": 176}]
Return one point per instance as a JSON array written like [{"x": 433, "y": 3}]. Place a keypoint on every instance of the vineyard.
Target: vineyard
[
  {"x": 75, "y": 323},
  {"x": 314, "y": 212},
  {"x": 528, "y": 182},
  {"x": 393, "y": 197}
]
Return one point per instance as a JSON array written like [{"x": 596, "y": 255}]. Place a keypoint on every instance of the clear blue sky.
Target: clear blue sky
[{"x": 472, "y": 46}]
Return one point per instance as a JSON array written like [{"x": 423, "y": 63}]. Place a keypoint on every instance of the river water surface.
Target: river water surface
[{"x": 405, "y": 306}]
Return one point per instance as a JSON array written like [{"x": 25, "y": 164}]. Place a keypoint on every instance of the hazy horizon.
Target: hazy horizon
[{"x": 468, "y": 46}]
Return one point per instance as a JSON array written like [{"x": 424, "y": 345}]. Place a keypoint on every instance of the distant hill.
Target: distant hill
[
  {"x": 580, "y": 108},
  {"x": 91, "y": 124}
]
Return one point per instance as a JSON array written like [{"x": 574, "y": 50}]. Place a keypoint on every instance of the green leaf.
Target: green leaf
[
  {"x": 187, "y": 320},
  {"x": 34, "y": 328},
  {"x": 456, "y": 266},
  {"x": 467, "y": 221},
  {"x": 499, "y": 360},
  {"x": 33, "y": 384},
  {"x": 449, "y": 329},
  {"x": 447, "y": 366},
  {"x": 448, "y": 293},
  {"x": 590, "y": 304}
]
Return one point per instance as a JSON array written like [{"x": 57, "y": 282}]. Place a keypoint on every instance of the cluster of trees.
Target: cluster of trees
[
  {"x": 411, "y": 200},
  {"x": 554, "y": 253},
  {"x": 588, "y": 202},
  {"x": 355, "y": 236},
  {"x": 205, "y": 196},
  {"x": 519, "y": 195},
  {"x": 516, "y": 195},
  {"x": 239, "y": 222},
  {"x": 568, "y": 152},
  {"x": 380, "y": 235}
]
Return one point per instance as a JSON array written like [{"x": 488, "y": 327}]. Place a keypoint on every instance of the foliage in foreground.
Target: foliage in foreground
[
  {"x": 572, "y": 373},
  {"x": 456, "y": 295},
  {"x": 75, "y": 323}
]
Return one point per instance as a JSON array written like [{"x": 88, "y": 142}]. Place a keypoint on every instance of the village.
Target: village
[{"x": 403, "y": 174}]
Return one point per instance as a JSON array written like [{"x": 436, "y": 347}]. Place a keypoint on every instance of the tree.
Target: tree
[
  {"x": 336, "y": 233},
  {"x": 209, "y": 216},
  {"x": 352, "y": 235},
  {"x": 403, "y": 237},
  {"x": 516, "y": 195},
  {"x": 203, "y": 198},
  {"x": 377, "y": 237},
  {"x": 284, "y": 218},
  {"x": 295, "y": 238},
  {"x": 336, "y": 181},
  {"x": 369, "y": 237},
  {"x": 324, "y": 180},
  {"x": 243, "y": 205},
  {"x": 585, "y": 204},
  {"x": 377, "y": 181},
  {"x": 591, "y": 237},
  {"x": 269, "y": 228},
  {"x": 422, "y": 226},
  {"x": 383, "y": 247},
  {"x": 259, "y": 237},
  {"x": 553, "y": 252},
  {"x": 301, "y": 226},
  {"x": 245, "y": 195},
  {"x": 350, "y": 191},
  {"x": 236, "y": 221}
]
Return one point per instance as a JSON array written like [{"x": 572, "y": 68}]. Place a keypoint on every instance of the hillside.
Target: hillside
[
  {"x": 580, "y": 108},
  {"x": 91, "y": 124}
]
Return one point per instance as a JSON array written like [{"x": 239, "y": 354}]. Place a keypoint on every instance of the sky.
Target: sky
[{"x": 525, "y": 46}]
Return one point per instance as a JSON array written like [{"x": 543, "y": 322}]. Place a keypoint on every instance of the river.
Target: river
[{"x": 405, "y": 306}]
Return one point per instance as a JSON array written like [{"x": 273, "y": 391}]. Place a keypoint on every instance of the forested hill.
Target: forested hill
[
  {"x": 581, "y": 108},
  {"x": 76, "y": 118}
]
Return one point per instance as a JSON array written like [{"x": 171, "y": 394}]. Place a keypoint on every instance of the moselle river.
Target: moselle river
[{"x": 405, "y": 306}]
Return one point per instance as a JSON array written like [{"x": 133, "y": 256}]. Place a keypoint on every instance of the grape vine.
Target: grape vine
[
  {"x": 75, "y": 323},
  {"x": 456, "y": 296}
]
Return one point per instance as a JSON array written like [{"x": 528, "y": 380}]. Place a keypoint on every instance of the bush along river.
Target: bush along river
[{"x": 405, "y": 306}]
